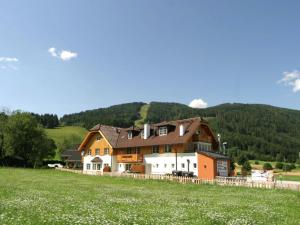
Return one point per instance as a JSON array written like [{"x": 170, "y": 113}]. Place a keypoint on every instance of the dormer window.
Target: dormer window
[
  {"x": 130, "y": 134},
  {"x": 163, "y": 131}
]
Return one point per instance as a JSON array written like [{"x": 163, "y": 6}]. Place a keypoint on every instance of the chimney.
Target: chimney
[
  {"x": 146, "y": 130},
  {"x": 181, "y": 130}
]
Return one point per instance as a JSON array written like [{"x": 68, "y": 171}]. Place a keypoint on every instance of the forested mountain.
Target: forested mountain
[
  {"x": 260, "y": 131},
  {"x": 122, "y": 115}
]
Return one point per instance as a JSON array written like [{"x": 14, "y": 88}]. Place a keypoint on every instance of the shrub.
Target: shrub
[
  {"x": 287, "y": 167},
  {"x": 246, "y": 168},
  {"x": 292, "y": 166},
  {"x": 256, "y": 162},
  {"x": 267, "y": 166},
  {"x": 279, "y": 165}
]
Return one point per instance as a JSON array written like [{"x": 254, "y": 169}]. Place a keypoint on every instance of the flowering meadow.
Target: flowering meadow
[{"x": 30, "y": 196}]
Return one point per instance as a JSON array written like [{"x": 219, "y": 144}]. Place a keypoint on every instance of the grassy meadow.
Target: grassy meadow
[
  {"x": 30, "y": 196},
  {"x": 59, "y": 135}
]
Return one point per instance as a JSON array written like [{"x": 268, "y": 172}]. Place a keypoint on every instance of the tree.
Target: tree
[
  {"x": 246, "y": 168},
  {"x": 267, "y": 166},
  {"x": 279, "y": 165},
  {"x": 242, "y": 159},
  {"x": 25, "y": 139},
  {"x": 3, "y": 120}
]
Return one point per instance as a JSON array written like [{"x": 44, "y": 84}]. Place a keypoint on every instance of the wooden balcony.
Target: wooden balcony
[{"x": 130, "y": 158}]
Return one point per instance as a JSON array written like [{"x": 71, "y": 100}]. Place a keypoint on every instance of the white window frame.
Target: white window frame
[
  {"x": 88, "y": 166},
  {"x": 106, "y": 151},
  {"x": 162, "y": 131},
  {"x": 94, "y": 166},
  {"x": 97, "y": 151},
  {"x": 89, "y": 152},
  {"x": 129, "y": 135}
]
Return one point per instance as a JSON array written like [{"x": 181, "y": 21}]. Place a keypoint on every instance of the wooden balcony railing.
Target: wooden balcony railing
[{"x": 129, "y": 158}]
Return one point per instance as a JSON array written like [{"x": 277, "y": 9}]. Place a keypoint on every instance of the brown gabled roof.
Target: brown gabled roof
[
  {"x": 111, "y": 133},
  {"x": 191, "y": 125},
  {"x": 118, "y": 137},
  {"x": 213, "y": 155},
  {"x": 97, "y": 160}
]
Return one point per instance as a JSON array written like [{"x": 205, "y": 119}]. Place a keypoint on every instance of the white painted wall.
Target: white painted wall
[
  {"x": 106, "y": 159},
  {"x": 162, "y": 163}
]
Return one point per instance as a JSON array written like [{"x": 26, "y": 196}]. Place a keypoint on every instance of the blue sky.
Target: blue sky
[{"x": 111, "y": 52}]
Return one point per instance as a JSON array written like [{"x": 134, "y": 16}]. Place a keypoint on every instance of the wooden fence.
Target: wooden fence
[{"x": 222, "y": 181}]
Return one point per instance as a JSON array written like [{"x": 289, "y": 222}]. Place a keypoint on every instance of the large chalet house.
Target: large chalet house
[{"x": 187, "y": 146}]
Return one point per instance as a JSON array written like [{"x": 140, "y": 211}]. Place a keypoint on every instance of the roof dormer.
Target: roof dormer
[
  {"x": 162, "y": 130},
  {"x": 129, "y": 134}
]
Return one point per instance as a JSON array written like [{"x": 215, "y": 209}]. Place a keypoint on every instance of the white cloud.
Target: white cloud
[
  {"x": 296, "y": 85},
  {"x": 8, "y": 63},
  {"x": 291, "y": 79},
  {"x": 198, "y": 104},
  {"x": 67, "y": 55},
  {"x": 52, "y": 52},
  {"x": 8, "y": 59},
  {"x": 64, "y": 55}
]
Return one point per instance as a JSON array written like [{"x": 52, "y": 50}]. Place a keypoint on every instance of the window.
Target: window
[
  {"x": 89, "y": 152},
  {"x": 98, "y": 138},
  {"x": 195, "y": 165},
  {"x": 130, "y": 134},
  {"x": 155, "y": 149},
  {"x": 157, "y": 165},
  {"x": 120, "y": 165},
  {"x": 173, "y": 166},
  {"x": 88, "y": 166},
  {"x": 142, "y": 134},
  {"x": 106, "y": 151},
  {"x": 99, "y": 165},
  {"x": 128, "y": 167},
  {"x": 94, "y": 166},
  {"x": 137, "y": 150},
  {"x": 163, "y": 131},
  {"x": 106, "y": 165},
  {"x": 168, "y": 148},
  {"x": 129, "y": 150},
  {"x": 182, "y": 165},
  {"x": 165, "y": 165},
  {"x": 97, "y": 151}
]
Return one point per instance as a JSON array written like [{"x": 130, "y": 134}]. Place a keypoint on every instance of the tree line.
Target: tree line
[{"x": 47, "y": 120}]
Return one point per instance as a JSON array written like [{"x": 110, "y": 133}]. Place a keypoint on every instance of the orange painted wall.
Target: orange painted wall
[
  {"x": 94, "y": 144},
  {"x": 206, "y": 167}
]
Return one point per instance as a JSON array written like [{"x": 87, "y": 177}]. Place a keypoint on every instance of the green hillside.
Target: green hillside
[
  {"x": 66, "y": 137},
  {"x": 143, "y": 115},
  {"x": 122, "y": 115},
  {"x": 260, "y": 131}
]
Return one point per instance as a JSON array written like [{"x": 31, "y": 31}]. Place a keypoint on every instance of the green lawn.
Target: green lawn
[
  {"x": 288, "y": 177},
  {"x": 67, "y": 132},
  {"x": 52, "y": 197}
]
